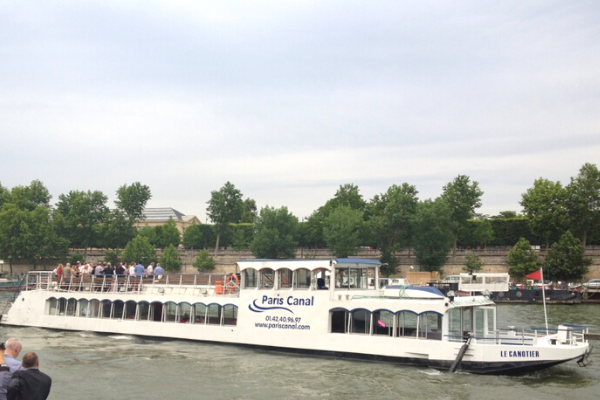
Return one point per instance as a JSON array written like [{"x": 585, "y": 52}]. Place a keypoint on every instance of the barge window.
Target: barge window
[
  {"x": 250, "y": 278},
  {"x": 143, "y": 311},
  {"x": 430, "y": 326},
  {"x": 118, "y": 307},
  {"x": 360, "y": 322},
  {"x": 355, "y": 280},
  {"x": 383, "y": 322},
  {"x": 185, "y": 313},
  {"x": 94, "y": 308},
  {"x": 229, "y": 314},
  {"x": 106, "y": 307},
  {"x": 267, "y": 278},
  {"x": 84, "y": 308},
  {"x": 285, "y": 278},
  {"x": 302, "y": 279},
  {"x": 52, "y": 308},
  {"x": 214, "y": 314},
  {"x": 407, "y": 324},
  {"x": 341, "y": 278},
  {"x": 130, "y": 307},
  {"x": 322, "y": 279},
  {"x": 156, "y": 311},
  {"x": 62, "y": 306},
  {"x": 169, "y": 311},
  {"x": 199, "y": 313},
  {"x": 71, "y": 307},
  {"x": 339, "y": 321}
]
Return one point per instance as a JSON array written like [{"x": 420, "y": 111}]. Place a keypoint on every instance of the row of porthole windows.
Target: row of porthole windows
[
  {"x": 427, "y": 325},
  {"x": 198, "y": 313}
]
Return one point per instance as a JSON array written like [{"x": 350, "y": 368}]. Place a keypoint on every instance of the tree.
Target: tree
[
  {"x": 139, "y": 250},
  {"x": 193, "y": 238},
  {"x": 583, "y": 200},
  {"x": 522, "y": 259},
  {"x": 204, "y": 262},
  {"x": 433, "y": 234},
  {"x": 79, "y": 212},
  {"x": 171, "y": 260},
  {"x": 341, "y": 231},
  {"x": 224, "y": 207},
  {"x": 473, "y": 263},
  {"x": 347, "y": 195},
  {"x": 249, "y": 211},
  {"x": 544, "y": 205},
  {"x": 30, "y": 197},
  {"x": 484, "y": 233},
  {"x": 150, "y": 233},
  {"x": 168, "y": 234},
  {"x": 116, "y": 231},
  {"x": 4, "y": 195},
  {"x": 463, "y": 198},
  {"x": 391, "y": 221},
  {"x": 132, "y": 200},
  {"x": 275, "y": 234},
  {"x": 566, "y": 259}
]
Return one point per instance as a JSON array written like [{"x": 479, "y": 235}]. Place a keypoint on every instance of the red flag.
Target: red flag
[{"x": 536, "y": 276}]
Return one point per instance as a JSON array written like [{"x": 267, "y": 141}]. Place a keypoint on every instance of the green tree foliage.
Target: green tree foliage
[
  {"x": 193, "y": 238},
  {"x": 30, "y": 197},
  {"x": 116, "y": 231},
  {"x": 249, "y": 211},
  {"x": 75, "y": 257},
  {"x": 168, "y": 235},
  {"x": 583, "y": 201},
  {"x": 242, "y": 236},
  {"x": 433, "y": 234},
  {"x": 131, "y": 200},
  {"x": 78, "y": 212},
  {"x": 276, "y": 232},
  {"x": 473, "y": 263},
  {"x": 565, "y": 260},
  {"x": 112, "y": 256},
  {"x": 204, "y": 261},
  {"x": 544, "y": 206},
  {"x": 484, "y": 233},
  {"x": 391, "y": 221},
  {"x": 522, "y": 259},
  {"x": 171, "y": 259},
  {"x": 139, "y": 250},
  {"x": 225, "y": 207},
  {"x": 341, "y": 231},
  {"x": 4, "y": 195},
  {"x": 150, "y": 233},
  {"x": 463, "y": 198}
]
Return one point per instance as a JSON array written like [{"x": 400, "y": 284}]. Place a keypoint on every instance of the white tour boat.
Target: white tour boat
[{"x": 331, "y": 307}]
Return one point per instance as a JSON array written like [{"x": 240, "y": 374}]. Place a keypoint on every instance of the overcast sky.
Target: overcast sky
[{"x": 288, "y": 100}]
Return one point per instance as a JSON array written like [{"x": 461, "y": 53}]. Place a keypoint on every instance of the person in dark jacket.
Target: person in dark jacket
[{"x": 29, "y": 383}]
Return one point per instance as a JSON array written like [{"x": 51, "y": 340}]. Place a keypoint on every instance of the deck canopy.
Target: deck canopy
[{"x": 310, "y": 264}]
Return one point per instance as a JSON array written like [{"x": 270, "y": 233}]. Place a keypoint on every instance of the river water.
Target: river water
[{"x": 86, "y": 365}]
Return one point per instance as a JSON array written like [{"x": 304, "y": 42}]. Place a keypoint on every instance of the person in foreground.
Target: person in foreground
[
  {"x": 10, "y": 350},
  {"x": 29, "y": 383}
]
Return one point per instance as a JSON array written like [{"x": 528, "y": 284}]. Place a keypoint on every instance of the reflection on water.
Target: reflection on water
[{"x": 86, "y": 365}]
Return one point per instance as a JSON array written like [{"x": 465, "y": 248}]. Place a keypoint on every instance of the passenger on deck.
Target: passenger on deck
[
  {"x": 131, "y": 269},
  {"x": 67, "y": 271},
  {"x": 149, "y": 270},
  {"x": 139, "y": 270},
  {"x": 158, "y": 271},
  {"x": 59, "y": 272},
  {"x": 98, "y": 270}
]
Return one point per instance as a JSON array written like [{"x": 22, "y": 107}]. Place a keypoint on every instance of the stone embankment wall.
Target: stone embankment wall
[{"x": 494, "y": 260}]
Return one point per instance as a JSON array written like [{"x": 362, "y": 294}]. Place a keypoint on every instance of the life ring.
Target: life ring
[{"x": 232, "y": 282}]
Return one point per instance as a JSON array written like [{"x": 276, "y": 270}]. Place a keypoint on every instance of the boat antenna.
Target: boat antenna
[{"x": 544, "y": 299}]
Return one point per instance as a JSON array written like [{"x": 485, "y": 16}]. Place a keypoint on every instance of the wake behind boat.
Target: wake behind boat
[{"x": 331, "y": 307}]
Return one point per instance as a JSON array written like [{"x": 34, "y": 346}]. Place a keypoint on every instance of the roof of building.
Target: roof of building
[{"x": 162, "y": 214}]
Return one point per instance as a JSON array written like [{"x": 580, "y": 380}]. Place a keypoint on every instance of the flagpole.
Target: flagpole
[{"x": 544, "y": 298}]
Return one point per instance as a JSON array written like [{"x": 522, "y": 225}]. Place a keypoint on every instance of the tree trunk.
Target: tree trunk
[
  {"x": 584, "y": 238},
  {"x": 217, "y": 245}
]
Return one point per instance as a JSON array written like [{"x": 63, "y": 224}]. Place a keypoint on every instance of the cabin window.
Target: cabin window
[
  {"x": 360, "y": 321},
  {"x": 407, "y": 324},
  {"x": 341, "y": 278},
  {"x": 94, "y": 308},
  {"x": 52, "y": 308},
  {"x": 339, "y": 321},
  {"x": 459, "y": 323},
  {"x": 383, "y": 323},
  {"x": 156, "y": 311},
  {"x": 214, "y": 314},
  {"x": 322, "y": 278},
  {"x": 106, "y": 306},
  {"x": 170, "y": 311},
  {"x": 356, "y": 279},
  {"x": 285, "y": 278},
  {"x": 267, "y": 278},
  {"x": 229, "y": 314},
  {"x": 71, "y": 307},
  {"x": 143, "y": 310},
  {"x": 199, "y": 313},
  {"x": 250, "y": 278},
  {"x": 430, "y": 326},
  {"x": 185, "y": 313},
  {"x": 485, "y": 322},
  {"x": 84, "y": 308},
  {"x": 62, "y": 306},
  {"x": 118, "y": 307},
  {"x": 302, "y": 279},
  {"x": 130, "y": 308}
]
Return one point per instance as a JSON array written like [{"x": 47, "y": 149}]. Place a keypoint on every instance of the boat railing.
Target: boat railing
[
  {"x": 198, "y": 284},
  {"x": 565, "y": 334}
]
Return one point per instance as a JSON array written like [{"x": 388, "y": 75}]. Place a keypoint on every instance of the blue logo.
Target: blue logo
[{"x": 258, "y": 309}]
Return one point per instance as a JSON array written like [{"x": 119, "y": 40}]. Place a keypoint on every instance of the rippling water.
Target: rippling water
[{"x": 86, "y": 365}]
